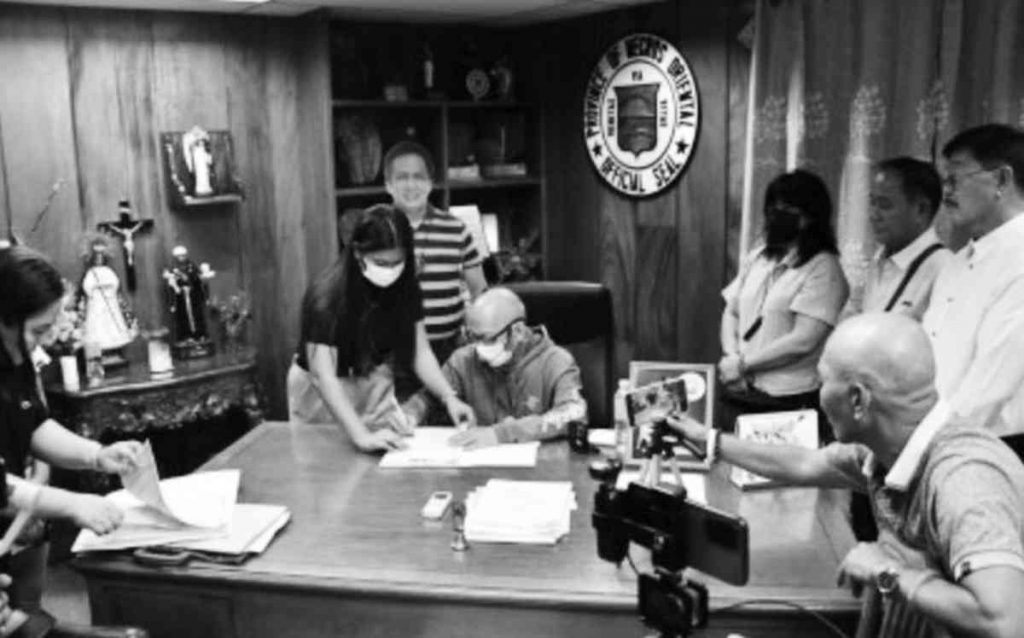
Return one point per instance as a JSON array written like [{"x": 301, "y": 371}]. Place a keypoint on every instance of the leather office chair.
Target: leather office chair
[{"x": 578, "y": 316}]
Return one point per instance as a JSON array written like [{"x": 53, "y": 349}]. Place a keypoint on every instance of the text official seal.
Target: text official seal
[{"x": 641, "y": 114}]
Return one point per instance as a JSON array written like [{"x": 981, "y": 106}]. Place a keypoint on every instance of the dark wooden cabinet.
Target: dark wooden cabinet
[{"x": 188, "y": 416}]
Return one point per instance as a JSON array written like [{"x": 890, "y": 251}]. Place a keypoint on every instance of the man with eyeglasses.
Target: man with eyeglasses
[
  {"x": 975, "y": 319},
  {"x": 512, "y": 375}
]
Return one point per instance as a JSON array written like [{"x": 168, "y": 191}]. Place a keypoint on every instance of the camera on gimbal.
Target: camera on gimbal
[{"x": 680, "y": 533}]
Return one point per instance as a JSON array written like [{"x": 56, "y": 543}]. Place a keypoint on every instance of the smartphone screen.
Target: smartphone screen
[{"x": 649, "y": 404}]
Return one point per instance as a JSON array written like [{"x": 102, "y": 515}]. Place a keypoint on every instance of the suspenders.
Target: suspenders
[{"x": 911, "y": 270}]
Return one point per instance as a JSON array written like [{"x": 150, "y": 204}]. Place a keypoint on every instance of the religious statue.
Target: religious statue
[
  {"x": 199, "y": 160},
  {"x": 108, "y": 324},
  {"x": 188, "y": 292},
  {"x": 126, "y": 227}
]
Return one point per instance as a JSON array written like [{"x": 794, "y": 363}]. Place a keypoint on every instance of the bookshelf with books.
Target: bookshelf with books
[{"x": 393, "y": 82}]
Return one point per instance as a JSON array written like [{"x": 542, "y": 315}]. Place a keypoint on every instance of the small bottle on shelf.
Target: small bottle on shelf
[{"x": 621, "y": 418}]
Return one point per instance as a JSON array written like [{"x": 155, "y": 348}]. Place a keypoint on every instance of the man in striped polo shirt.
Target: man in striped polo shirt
[{"x": 445, "y": 253}]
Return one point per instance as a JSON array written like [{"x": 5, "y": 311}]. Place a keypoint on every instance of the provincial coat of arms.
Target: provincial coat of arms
[{"x": 641, "y": 114}]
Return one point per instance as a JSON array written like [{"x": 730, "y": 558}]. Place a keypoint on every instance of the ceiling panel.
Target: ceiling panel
[{"x": 494, "y": 12}]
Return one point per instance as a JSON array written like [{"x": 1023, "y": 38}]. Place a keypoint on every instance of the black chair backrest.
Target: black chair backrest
[
  {"x": 1016, "y": 443},
  {"x": 578, "y": 316}
]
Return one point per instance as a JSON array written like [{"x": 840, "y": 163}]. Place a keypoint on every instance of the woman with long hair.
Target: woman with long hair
[
  {"x": 360, "y": 319},
  {"x": 31, "y": 296},
  {"x": 783, "y": 303}
]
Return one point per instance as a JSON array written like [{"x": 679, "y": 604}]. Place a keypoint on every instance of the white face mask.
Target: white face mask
[
  {"x": 382, "y": 276},
  {"x": 493, "y": 354}
]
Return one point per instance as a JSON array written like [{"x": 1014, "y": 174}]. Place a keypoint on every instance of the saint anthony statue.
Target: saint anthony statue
[
  {"x": 187, "y": 293},
  {"x": 108, "y": 323}
]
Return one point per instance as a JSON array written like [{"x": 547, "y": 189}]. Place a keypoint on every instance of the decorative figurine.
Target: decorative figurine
[
  {"x": 126, "y": 227},
  {"x": 199, "y": 159},
  {"x": 188, "y": 291},
  {"x": 503, "y": 80},
  {"x": 108, "y": 323}
]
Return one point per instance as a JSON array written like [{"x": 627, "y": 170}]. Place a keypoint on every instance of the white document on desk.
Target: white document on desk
[
  {"x": 529, "y": 512},
  {"x": 194, "y": 507},
  {"x": 428, "y": 447}
]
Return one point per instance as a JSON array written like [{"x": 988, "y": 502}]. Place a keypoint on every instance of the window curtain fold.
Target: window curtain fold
[{"x": 837, "y": 85}]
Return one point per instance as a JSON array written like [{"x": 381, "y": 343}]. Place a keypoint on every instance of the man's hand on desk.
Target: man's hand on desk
[
  {"x": 118, "y": 458},
  {"x": 383, "y": 439},
  {"x": 475, "y": 437},
  {"x": 96, "y": 513},
  {"x": 862, "y": 565}
]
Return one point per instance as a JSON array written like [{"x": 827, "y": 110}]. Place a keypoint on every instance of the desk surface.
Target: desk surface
[{"x": 356, "y": 531}]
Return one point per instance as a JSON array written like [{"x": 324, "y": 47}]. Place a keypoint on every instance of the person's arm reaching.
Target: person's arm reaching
[
  {"x": 59, "y": 446},
  {"x": 787, "y": 463},
  {"x": 323, "y": 374},
  {"x": 429, "y": 372}
]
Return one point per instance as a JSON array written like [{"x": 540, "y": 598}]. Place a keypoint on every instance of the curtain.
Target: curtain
[{"x": 839, "y": 84}]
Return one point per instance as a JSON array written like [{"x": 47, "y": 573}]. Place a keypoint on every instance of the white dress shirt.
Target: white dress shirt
[
  {"x": 884, "y": 275},
  {"x": 976, "y": 325}
]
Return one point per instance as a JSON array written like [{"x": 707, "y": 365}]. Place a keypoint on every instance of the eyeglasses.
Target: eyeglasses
[
  {"x": 473, "y": 337},
  {"x": 952, "y": 180}
]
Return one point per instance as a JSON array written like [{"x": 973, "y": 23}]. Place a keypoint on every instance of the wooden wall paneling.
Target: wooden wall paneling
[
  {"x": 311, "y": 37},
  {"x": 739, "y": 66},
  {"x": 249, "y": 121},
  {"x": 110, "y": 66},
  {"x": 662, "y": 257},
  {"x": 298, "y": 102},
  {"x": 701, "y": 193},
  {"x": 38, "y": 139},
  {"x": 656, "y": 284},
  {"x": 190, "y": 88}
]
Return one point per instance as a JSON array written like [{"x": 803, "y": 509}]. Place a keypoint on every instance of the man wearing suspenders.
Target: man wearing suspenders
[{"x": 905, "y": 195}]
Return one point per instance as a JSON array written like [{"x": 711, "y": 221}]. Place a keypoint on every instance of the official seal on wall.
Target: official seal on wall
[{"x": 641, "y": 114}]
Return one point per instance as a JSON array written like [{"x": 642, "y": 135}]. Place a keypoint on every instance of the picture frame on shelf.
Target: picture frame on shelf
[
  {"x": 699, "y": 380},
  {"x": 199, "y": 167}
]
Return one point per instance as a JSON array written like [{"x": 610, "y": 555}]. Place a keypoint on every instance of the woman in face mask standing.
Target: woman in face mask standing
[
  {"x": 361, "y": 318},
  {"x": 783, "y": 304}
]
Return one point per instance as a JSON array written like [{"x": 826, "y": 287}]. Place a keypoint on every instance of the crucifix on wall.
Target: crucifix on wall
[{"x": 126, "y": 227}]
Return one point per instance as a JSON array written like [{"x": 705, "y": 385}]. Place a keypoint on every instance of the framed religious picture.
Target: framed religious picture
[
  {"x": 199, "y": 166},
  {"x": 666, "y": 388},
  {"x": 792, "y": 427}
]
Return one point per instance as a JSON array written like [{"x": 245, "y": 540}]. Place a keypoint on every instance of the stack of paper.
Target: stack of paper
[
  {"x": 198, "y": 511},
  {"x": 534, "y": 512},
  {"x": 252, "y": 528},
  {"x": 429, "y": 447}
]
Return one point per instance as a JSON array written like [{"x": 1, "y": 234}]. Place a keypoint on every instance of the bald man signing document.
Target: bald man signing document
[
  {"x": 513, "y": 376},
  {"x": 949, "y": 498}
]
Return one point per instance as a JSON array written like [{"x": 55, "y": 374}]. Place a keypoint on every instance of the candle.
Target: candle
[{"x": 159, "y": 356}]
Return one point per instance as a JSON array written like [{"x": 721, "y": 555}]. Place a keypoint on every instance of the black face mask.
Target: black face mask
[{"x": 781, "y": 229}]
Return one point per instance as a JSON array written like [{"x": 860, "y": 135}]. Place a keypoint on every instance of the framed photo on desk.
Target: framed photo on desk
[{"x": 699, "y": 380}]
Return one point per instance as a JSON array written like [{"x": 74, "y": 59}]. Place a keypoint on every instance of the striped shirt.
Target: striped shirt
[{"x": 444, "y": 250}]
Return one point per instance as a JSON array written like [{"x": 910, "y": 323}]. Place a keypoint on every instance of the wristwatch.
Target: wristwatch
[{"x": 887, "y": 581}]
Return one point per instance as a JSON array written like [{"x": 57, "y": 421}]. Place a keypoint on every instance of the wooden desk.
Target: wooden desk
[{"x": 357, "y": 559}]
